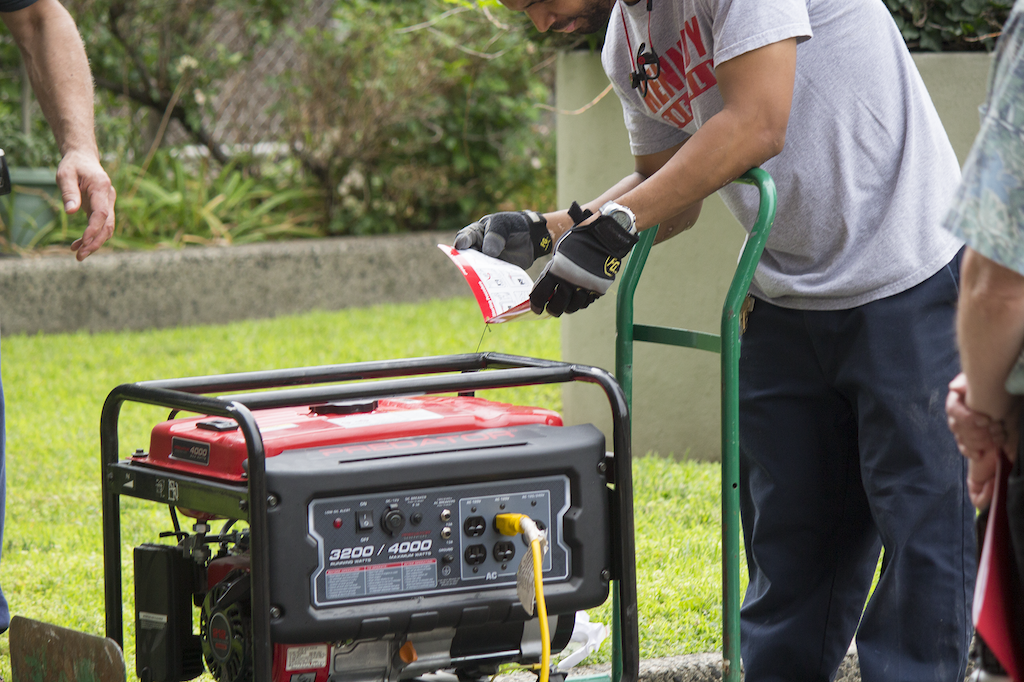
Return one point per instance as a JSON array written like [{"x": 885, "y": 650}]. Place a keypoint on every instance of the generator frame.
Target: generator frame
[{"x": 237, "y": 395}]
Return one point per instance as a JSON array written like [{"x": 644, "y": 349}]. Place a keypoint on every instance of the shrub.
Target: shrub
[
  {"x": 419, "y": 116},
  {"x": 938, "y": 25},
  {"x": 176, "y": 202}
]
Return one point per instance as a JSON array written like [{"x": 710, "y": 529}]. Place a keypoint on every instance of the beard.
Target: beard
[{"x": 593, "y": 20}]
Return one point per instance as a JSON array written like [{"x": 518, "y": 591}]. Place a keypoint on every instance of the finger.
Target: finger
[
  {"x": 560, "y": 299},
  {"x": 494, "y": 244},
  {"x": 953, "y": 399},
  {"x": 541, "y": 292},
  {"x": 100, "y": 206},
  {"x": 70, "y": 192},
  {"x": 959, "y": 384},
  {"x": 578, "y": 300},
  {"x": 469, "y": 237}
]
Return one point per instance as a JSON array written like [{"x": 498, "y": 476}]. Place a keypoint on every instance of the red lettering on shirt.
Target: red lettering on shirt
[
  {"x": 674, "y": 58},
  {"x": 691, "y": 31},
  {"x": 677, "y": 115},
  {"x": 686, "y": 72},
  {"x": 657, "y": 95},
  {"x": 701, "y": 78}
]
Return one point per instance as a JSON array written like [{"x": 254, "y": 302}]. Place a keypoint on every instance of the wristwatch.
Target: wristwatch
[{"x": 620, "y": 214}]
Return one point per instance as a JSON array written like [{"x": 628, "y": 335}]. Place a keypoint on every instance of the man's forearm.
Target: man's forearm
[
  {"x": 59, "y": 71},
  {"x": 559, "y": 221},
  {"x": 990, "y": 330}
]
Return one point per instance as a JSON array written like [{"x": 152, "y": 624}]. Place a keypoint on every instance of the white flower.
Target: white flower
[
  {"x": 187, "y": 63},
  {"x": 352, "y": 182}
]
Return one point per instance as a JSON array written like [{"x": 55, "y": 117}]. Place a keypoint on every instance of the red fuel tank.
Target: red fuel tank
[{"x": 213, "y": 447}]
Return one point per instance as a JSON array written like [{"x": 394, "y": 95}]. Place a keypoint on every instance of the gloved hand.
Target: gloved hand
[
  {"x": 586, "y": 260},
  {"x": 518, "y": 237}
]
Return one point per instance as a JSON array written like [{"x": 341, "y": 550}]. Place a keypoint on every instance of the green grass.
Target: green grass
[{"x": 55, "y": 386}]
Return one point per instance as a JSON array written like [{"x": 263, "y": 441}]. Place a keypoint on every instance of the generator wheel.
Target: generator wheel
[{"x": 224, "y": 628}]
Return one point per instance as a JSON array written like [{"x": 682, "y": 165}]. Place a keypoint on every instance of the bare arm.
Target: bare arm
[
  {"x": 990, "y": 330},
  {"x": 59, "y": 71},
  {"x": 645, "y": 167},
  {"x": 757, "y": 93}
]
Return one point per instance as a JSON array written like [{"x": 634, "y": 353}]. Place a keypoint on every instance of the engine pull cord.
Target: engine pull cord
[{"x": 521, "y": 524}]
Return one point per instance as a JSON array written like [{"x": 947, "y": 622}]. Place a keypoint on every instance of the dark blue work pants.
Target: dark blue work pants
[{"x": 844, "y": 450}]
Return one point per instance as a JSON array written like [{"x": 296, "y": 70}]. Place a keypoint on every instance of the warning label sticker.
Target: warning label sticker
[
  {"x": 391, "y": 578},
  {"x": 306, "y": 657},
  {"x": 152, "y": 621}
]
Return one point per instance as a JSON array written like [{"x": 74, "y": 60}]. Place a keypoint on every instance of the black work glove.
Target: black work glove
[
  {"x": 518, "y": 237},
  {"x": 586, "y": 260}
]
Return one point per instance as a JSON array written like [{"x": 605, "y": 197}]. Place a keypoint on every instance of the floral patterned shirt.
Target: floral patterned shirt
[{"x": 988, "y": 211}]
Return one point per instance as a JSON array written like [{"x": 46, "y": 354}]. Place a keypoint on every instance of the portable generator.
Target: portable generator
[{"x": 373, "y": 500}]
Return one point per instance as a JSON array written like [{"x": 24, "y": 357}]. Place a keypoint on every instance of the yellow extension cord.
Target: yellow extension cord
[
  {"x": 512, "y": 525},
  {"x": 542, "y": 611}
]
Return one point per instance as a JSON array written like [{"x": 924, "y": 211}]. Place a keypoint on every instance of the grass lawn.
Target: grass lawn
[{"x": 55, "y": 386}]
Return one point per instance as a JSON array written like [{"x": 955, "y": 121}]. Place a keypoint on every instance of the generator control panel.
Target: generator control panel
[
  {"x": 432, "y": 540},
  {"x": 398, "y": 535}
]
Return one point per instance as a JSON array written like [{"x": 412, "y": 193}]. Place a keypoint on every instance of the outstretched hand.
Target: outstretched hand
[{"x": 84, "y": 184}]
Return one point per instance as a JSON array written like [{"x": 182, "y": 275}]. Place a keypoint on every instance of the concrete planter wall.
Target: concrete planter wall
[
  {"x": 676, "y": 391},
  {"x": 111, "y": 291}
]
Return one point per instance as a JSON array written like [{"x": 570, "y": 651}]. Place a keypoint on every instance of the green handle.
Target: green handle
[{"x": 730, "y": 351}]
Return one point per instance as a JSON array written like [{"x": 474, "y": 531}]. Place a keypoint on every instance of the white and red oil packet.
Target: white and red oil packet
[{"x": 501, "y": 289}]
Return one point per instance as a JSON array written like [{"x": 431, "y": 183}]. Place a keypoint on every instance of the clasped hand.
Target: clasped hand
[{"x": 980, "y": 438}]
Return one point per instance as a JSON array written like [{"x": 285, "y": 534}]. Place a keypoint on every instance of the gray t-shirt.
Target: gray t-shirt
[{"x": 867, "y": 171}]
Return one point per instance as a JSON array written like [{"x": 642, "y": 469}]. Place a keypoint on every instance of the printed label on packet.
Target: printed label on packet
[{"x": 502, "y": 290}]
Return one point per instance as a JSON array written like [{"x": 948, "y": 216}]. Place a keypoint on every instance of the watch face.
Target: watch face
[{"x": 621, "y": 217}]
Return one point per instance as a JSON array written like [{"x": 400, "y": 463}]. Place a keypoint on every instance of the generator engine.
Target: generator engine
[{"x": 386, "y": 562}]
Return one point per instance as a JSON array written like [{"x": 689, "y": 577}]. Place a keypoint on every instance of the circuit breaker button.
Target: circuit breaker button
[{"x": 364, "y": 520}]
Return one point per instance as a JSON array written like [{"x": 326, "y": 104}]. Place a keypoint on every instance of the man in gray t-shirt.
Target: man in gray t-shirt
[{"x": 849, "y": 346}]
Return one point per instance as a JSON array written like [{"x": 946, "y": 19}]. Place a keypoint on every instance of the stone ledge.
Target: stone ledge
[{"x": 212, "y": 285}]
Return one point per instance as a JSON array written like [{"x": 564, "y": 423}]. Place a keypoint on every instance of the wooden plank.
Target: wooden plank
[{"x": 41, "y": 652}]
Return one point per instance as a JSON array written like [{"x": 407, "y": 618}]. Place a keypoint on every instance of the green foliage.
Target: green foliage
[
  {"x": 37, "y": 148},
  {"x": 178, "y": 202},
  {"x": 164, "y": 57},
  {"x": 419, "y": 116},
  {"x": 938, "y": 25}
]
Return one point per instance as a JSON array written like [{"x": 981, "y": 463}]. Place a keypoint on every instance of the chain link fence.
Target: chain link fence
[{"x": 245, "y": 104}]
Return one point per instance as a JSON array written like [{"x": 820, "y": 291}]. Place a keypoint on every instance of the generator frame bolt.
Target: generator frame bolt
[
  {"x": 602, "y": 468},
  {"x": 606, "y": 574},
  {"x": 272, "y": 501},
  {"x": 275, "y": 612}
]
